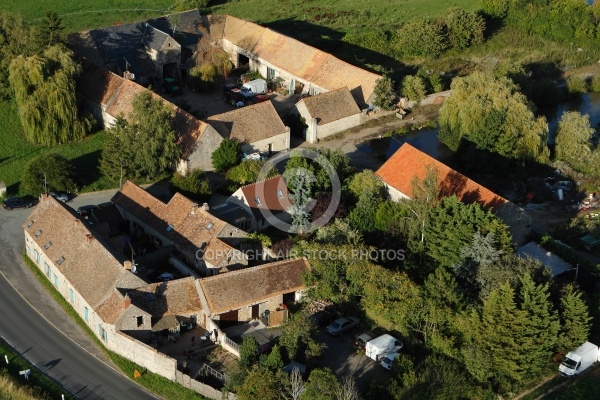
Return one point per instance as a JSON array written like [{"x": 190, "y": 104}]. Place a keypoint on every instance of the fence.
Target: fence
[
  {"x": 210, "y": 371},
  {"x": 232, "y": 343}
]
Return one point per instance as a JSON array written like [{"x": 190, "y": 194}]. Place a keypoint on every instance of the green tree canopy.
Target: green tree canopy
[
  {"x": 227, "y": 155},
  {"x": 464, "y": 28},
  {"x": 413, "y": 87},
  {"x": 423, "y": 37},
  {"x": 366, "y": 180},
  {"x": 574, "y": 140},
  {"x": 248, "y": 170},
  {"x": 194, "y": 185},
  {"x": 321, "y": 385},
  {"x": 575, "y": 320},
  {"x": 385, "y": 94},
  {"x": 249, "y": 353},
  {"x": 298, "y": 338},
  {"x": 51, "y": 170},
  {"x": 44, "y": 88},
  {"x": 492, "y": 114},
  {"x": 144, "y": 145}
]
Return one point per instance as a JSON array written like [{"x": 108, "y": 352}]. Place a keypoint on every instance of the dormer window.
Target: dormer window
[
  {"x": 257, "y": 201},
  {"x": 29, "y": 224},
  {"x": 60, "y": 260},
  {"x": 279, "y": 194},
  {"x": 38, "y": 233},
  {"x": 47, "y": 245},
  {"x": 209, "y": 226},
  {"x": 169, "y": 228}
]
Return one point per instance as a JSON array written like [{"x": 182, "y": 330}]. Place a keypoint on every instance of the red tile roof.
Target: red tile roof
[
  {"x": 408, "y": 162},
  {"x": 230, "y": 291},
  {"x": 267, "y": 193},
  {"x": 176, "y": 297}
]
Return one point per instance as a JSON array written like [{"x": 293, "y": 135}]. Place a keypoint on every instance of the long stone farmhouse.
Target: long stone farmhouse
[
  {"x": 409, "y": 163},
  {"x": 126, "y": 312},
  {"x": 116, "y": 59}
]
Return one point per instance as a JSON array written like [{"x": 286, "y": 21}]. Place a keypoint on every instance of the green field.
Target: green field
[{"x": 16, "y": 152}]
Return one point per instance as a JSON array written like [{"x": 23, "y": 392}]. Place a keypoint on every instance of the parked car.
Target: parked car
[
  {"x": 341, "y": 325},
  {"x": 166, "y": 276},
  {"x": 321, "y": 318},
  {"x": 388, "y": 360},
  {"x": 85, "y": 211},
  {"x": 258, "y": 99},
  {"x": 361, "y": 340},
  {"x": 233, "y": 95},
  {"x": 60, "y": 196},
  {"x": 16, "y": 202}
]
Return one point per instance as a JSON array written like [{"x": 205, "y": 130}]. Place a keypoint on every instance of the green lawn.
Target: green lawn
[
  {"x": 16, "y": 152},
  {"x": 79, "y": 15}
]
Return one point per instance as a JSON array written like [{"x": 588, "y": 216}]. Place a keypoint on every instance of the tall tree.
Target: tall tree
[
  {"x": 49, "y": 172},
  {"x": 44, "y": 88},
  {"x": 385, "y": 94},
  {"x": 492, "y": 114},
  {"x": 366, "y": 180},
  {"x": 321, "y": 385},
  {"x": 298, "y": 338},
  {"x": 413, "y": 87},
  {"x": 464, "y": 28},
  {"x": 574, "y": 140},
  {"x": 540, "y": 332},
  {"x": 575, "y": 320},
  {"x": 142, "y": 146}
]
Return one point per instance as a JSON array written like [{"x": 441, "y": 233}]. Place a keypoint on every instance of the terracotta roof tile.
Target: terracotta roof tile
[
  {"x": 331, "y": 106},
  {"x": 249, "y": 124},
  {"x": 272, "y": 194},
  {"x": 193, "y": 228},
  {"x": 176, "y": 297},
  {"x": 236, "y": 289},
  {"x": 113, "y": 307},
  {"x": 89, "y": 266},
  {"x": 408, "y": 162}
]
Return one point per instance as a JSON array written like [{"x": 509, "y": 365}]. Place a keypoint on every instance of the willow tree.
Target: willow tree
[
  {"x": 574, "y": 141},
  {"x": 44, "y": 88},
  {"x": 491, "y": 113}
]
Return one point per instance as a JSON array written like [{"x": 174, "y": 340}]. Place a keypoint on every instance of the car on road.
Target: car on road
[
  {"x": 321, "y": 318},
  {"x": 17, "y": 202},
  {"x": 60, "y": 196},
  {"x": 341, "y": 325},
  {"x": 85, "y": 211},
  {"x": 388, "y": 360}
]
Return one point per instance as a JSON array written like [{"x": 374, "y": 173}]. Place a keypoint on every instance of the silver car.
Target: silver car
[
  {"x": 341, "y": 325},
  {"x": 60, "y": 196}
]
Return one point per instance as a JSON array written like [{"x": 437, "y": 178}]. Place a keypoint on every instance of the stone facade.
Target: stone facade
[
  {"x": 200, "y": 155},
  {"x": 275, "y": 143},
  {"x": 169, "y": 53}
]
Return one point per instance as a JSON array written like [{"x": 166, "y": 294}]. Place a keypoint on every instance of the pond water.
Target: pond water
[{"x": 427, "y": 141}]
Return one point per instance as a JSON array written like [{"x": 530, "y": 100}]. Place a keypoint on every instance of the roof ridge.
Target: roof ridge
[
  {"x": 262, "y": 181},
  {"x": 262, "y": 266}
]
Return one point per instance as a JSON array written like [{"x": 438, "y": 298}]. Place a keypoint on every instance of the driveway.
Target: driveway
[
  {"x": 345, "y": 361},
  {"x": 42, "y": 332}
]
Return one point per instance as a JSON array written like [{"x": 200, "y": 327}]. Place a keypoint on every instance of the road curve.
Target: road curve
[{"x": 66, "y": 357}]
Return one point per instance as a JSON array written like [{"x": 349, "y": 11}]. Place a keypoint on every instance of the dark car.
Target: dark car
[
  {"x": 232, "y": 94},
  {"x": 85, "y": 211},
  {"x": 361, "y": 340},
  {"x": 321, "y": 318},
  {"x": 341, "y": 325},
  {"x": 258, "y": 99},
  {"x": 17, "y": 202}
]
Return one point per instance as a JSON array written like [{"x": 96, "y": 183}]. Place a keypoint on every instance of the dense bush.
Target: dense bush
[{"x": 194, "y": 185}]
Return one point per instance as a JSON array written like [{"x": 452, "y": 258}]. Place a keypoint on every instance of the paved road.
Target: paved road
[{"x": 26, "y": 310}]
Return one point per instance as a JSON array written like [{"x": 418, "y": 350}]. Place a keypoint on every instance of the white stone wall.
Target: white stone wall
[
  {"x": 279, "y": 142},
  {"x": 145, "y": 356},
  {"x": 394, "y": 193},
  {"x": 245, "y": 313},
  {"x": 200, "y": 158},
  {"x": 340, "y": 125}
]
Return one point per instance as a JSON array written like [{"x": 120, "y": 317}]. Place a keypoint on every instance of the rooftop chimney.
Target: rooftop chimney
[
  {"x": 89, "y": 238},
  {"x": 126, "y": 301},
  {"x": 127, "y": 265},
  {"x": 205, "y": 206}
]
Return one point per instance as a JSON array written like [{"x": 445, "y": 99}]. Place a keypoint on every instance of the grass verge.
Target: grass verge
[
  {"x": 585, "y": 387},
  {"x": 151, "y": 381},
  {"x": 18, "y": 152},
  {"x": 37, "y": 386}
]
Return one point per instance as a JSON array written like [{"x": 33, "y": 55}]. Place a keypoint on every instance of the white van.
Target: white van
[
  {"x": 382, "y": 345},
  {"x": 254, "y": 87}
]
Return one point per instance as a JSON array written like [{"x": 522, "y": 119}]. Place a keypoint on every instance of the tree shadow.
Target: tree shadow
[
  {"x": 331, "y": 41},
  {"x": 87, "y": 167}
]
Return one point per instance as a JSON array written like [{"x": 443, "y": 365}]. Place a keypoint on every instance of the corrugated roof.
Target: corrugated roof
[
  {"x": 230, "y": 291},
  {"x": 331, "y": 106},
  {"x": 556, "y": 264},
  {"x": 409, "y": 163},
  {"x": 270, "y": 194},
  {"x": 89, "y": 266},
  {"x": 249, "y": 124}
]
